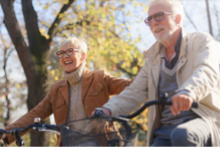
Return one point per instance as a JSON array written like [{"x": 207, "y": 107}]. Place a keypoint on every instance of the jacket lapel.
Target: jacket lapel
[
  {"x": 86, "y": 81},
  {"x": 155, "y": 74},
  {"x": 183, "y": 51},
  {"x": 64, "y": 90},
  {"x": 156, "y": 60}
]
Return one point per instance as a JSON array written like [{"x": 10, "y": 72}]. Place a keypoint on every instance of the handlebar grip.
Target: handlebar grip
[
  {"x": 194, "y": 104},
  {"x": 163, "y": 98}
]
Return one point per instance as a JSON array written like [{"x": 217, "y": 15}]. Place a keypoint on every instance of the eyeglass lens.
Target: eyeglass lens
[
  {"x": 69, "y": 52},
  {"x": 157, "y": 17}
]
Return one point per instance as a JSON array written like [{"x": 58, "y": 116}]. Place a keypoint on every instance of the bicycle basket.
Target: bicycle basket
[{"x": 99, "y": 131}]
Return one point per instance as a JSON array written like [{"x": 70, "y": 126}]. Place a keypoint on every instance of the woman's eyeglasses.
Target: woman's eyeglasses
[
  {"x": 158, "y": 17},
  {"x": 68, "y": 52}
]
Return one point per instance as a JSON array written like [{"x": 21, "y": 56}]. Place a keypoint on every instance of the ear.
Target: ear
[
  {"x": 83, "y": 56},
  {"x": 178, "y": 19}
]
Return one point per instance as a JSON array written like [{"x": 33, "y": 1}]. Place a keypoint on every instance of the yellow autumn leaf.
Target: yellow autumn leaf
[
  {"x": 52, "y": 72},
  {"x": 56, "y": 78},
  {"x": 135, "y": 4},
  {"x": 18, "y": 86},
  {"x": 128, "y": 13},
  {"x": 145, "y": 9}
]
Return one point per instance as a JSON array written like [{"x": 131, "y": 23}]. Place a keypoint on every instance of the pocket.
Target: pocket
[{"x": 95, "y": 90}]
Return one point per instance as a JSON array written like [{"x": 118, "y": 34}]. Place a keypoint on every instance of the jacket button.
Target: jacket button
[
  {"x": 86, "y": 107},
  {"x": 95, "y": 93}
]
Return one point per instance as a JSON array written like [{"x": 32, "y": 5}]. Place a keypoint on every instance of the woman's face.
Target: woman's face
[{"x": 72, "y": 61}]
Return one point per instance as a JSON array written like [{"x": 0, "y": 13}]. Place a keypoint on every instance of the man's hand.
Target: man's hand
[
  {"x": 180, "y": 102},
  {"x": 1, "y": 140},
  {"x": 105, "y": 111}
]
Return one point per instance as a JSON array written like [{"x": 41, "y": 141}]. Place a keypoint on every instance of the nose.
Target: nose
[
  {"x": 65, "y": 55},
  {"x": 153, "y": 22}
]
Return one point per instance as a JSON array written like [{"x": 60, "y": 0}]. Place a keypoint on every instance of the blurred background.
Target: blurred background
[{"x": 30, "y": 31}]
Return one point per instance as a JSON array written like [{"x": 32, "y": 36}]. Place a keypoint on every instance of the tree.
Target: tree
[
  {"x": 108, "y": 41},
  {"x": 32, "y": 54},
  {"x": 206, "y": 11},
  {"x": 7, "y": 51}
]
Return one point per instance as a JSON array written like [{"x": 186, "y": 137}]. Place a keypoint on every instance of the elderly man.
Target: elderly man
[
  {"x": 184, "y": 65},
  {"x": 78, "y": 94}
]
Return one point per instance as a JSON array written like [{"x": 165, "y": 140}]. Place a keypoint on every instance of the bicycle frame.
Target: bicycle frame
[{"x": 124, "y": 119}]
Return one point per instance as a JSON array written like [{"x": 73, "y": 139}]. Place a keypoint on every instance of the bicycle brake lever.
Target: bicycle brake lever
[
  {"x": 4, "y": 143},
  {"x": 99, "y": 113},
  {"x": 41, "y": 129}
]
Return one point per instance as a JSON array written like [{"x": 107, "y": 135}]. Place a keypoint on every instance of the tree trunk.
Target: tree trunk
[
  {"x": 209, "y": 17},
  {"x": 33, "y": 57}
]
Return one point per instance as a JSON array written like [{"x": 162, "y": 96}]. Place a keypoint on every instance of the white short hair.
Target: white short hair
[
  {"x": 176, "y": 6},
  {"x": 77, "y": 43}
]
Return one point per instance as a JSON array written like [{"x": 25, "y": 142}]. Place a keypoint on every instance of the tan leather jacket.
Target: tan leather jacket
[{"x": 97, "y": 86}]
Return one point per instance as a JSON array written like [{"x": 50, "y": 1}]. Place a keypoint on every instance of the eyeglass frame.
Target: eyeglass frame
[
  {"x": 65, "y": 52},
  {"x": 153, "y": 17}
]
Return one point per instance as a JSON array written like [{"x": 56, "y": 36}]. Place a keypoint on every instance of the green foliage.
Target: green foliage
[
  {"x": 106, "y": 32},
  {"x": 110, "y": 44}
]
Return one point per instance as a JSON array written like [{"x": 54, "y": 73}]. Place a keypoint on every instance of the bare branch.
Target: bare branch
[
  {"x": 43, "y": 24},
  {"x": 31, "y": 23},
  {"x": 53, "y": 29},
  {"x": 124, "y": 70},
  {"x": 8, "y": 102},
  {"x": 6, "y": 84},
  {"x": 14, "y": 31},
  {"x": 101, "y": 2},
  {"x": 218, "y": 24},
  {"x": 188, "y": 17}
]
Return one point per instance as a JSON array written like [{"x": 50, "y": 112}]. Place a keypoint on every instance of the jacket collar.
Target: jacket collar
[
  {"x": 153, "y": 53},
  {"x": 88, "y": 76},
  {"x": 86, "y": 81},
  {"x": 183, "y": 50}
]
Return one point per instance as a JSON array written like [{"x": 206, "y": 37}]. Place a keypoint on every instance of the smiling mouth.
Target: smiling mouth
[
  {"x": 158, "y": 30},
  {"x": 68, "y": 62}
]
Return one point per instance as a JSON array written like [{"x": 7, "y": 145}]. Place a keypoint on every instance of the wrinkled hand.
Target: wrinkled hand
[{"x": 180, "y": 102}]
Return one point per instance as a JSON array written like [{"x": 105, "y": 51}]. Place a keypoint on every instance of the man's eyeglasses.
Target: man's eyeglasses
[
  {"x": 68, "y": 52},
  {"x": 158, "y": 17}
]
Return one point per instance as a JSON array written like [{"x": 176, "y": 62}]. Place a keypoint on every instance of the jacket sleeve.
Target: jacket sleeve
[
  {"x": 115, "y": 84},
  {"x": 42, "y": 110},
  {"x": 206, "y": 63},
  {"x": 132, "y": 96}
]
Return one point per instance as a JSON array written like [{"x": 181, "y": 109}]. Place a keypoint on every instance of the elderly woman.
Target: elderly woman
[{"x": 78, "y": 94}]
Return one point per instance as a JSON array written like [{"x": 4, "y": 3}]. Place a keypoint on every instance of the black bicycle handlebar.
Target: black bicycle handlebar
[
  {"x": 31, "y": 126},
  {"x": 36, "y": 126},
  {"x": 154, "y": 102}
]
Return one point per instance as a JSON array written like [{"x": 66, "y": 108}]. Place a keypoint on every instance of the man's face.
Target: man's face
[
  {"x": 164, "y": 29},
  {"x": 71, "y": 62}
]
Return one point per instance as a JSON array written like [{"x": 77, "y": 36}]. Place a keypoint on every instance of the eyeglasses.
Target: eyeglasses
[
  {"x": 158, "y": 17},
  {"x": 68, "y": 52}
]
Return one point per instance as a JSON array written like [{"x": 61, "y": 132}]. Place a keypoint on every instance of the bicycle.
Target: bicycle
[{"x": 99, "y": 130}]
